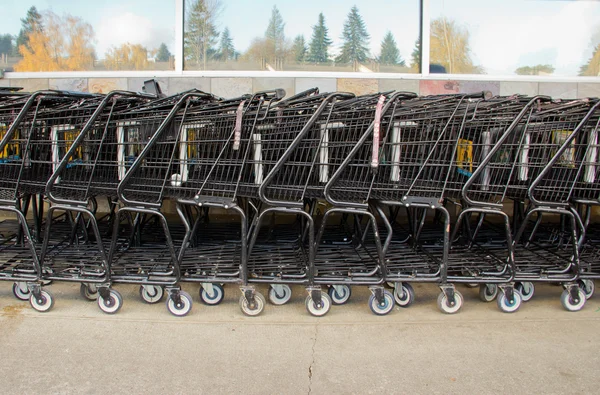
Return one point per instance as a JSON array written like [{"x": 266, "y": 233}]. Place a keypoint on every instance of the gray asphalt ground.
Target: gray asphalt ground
[{"x": 75, "y": 348}]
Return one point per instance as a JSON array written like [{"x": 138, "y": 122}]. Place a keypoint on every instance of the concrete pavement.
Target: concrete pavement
[{"x": 75, "y": 348}]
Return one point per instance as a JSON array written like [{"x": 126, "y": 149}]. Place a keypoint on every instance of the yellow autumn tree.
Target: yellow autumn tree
[
  {"x": 126, "y": 57},
  {"x": 64, "y": 44},
  {"x": 592, "y": 67},
  {"x": 450, "y": 47}
]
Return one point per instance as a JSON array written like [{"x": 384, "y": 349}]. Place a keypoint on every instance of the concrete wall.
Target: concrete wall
[{"x": 235, "y": 86}]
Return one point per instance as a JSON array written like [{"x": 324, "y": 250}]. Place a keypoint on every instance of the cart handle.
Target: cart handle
[
  {"x": 557, "y": 156},
  {"x": 159, "y": 131},
  {"x": 32, "y": 98},
  {"x": 81, "y": 136},
  {"x": 465, "y": 189},
  {"x": 288, "y": 152},
  {"x": 327, "y": 190}
]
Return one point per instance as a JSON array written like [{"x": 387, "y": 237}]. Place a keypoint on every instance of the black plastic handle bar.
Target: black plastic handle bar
[
  {"x": 497, "y": 147},
  {"x": 81, "y": 136},
  {"x": 288, "y": 152}
]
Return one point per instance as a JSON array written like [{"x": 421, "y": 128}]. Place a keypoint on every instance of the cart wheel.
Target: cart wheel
[
  {"x": 339, "y": 295},
  {"x": 405, "y": 295},
  {"x": 21, "y": 291},
  {"x": 444, "y": 305},
  {"x": 218, "y": 295},
  {"x": 277, "y": 299},
  {"x": 43, "y": 302},
  {"x": 151, "y": 293},
  {"x": 182, "y": 308},
  {"x": 573, "y": 305},
  {"x": 315, "y": 310},
  {"x": 488, "y": 292},
  {"x": 508, "y": 306},
  {"x": 256, "y": 308},
  {"x": 88, "y": 291},
  {"x": 112, "y": 303},
  {"x": 382, "y": 308},
  {"x": 588, "y": 287},
  {"x": 526, "y": 289}
]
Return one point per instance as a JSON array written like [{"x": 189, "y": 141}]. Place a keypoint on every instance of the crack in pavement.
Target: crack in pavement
[{"x": 312, "y": 362}]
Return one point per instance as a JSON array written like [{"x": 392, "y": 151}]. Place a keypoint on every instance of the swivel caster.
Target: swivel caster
[
  {"x": 573, "y": 298},
  {"x": 252, "y": 303},
  {"x": 317, "y": 303},
  {"x": 21, "y": 291},
  {"x": 340, "y": 294},
  {"x": 588, "y": 287},
  {"x": 381, "y": 301},
  {"x": 151, "y": 293},
  {"x": 89, "y": 291},
  {"x": 509, "y": 300},
  {"x": 211, "y": 294},
  {"x": 450, "y": 301},
  {"x": 488, "y": 292},
  {"x": 41, "y": 301},
  {"x": 109, "y": 300},
  {"x": 526, "y": 289},
  {"x": 404, "y": 294},
  {"x": 280, "y": 294},
  {"x": 179, "y": 303}
]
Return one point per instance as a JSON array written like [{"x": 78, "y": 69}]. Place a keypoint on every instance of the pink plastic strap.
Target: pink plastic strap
[
  {"x": 376, "y": 128},
  {"x": 238, "y": 126}
]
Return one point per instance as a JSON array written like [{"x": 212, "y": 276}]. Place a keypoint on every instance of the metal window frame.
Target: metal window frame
[{"x": 180, "y": 72}]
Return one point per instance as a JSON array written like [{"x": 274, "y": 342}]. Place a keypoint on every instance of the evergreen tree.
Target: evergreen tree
[
  {"x": 275, "y": 36},
  {"x": 201, "y": 33},
  {"x": 415, "y": 56},
  {"x": 299, "y": 49},
  {"x": 163, "y": 53},
  {"x": 390, "y": 54},
  {"x": 6, "y": 44},
  {"x": 355, "y": 40},
  {"x": 226, "y": 49},
  {"x": 319, "y": 42},
  {"x": 32, "y": 22}
]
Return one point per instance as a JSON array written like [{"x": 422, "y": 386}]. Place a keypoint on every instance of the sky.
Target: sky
[
  {"x": 505, "y": 34},
  {"x": 148, "y": 22}
]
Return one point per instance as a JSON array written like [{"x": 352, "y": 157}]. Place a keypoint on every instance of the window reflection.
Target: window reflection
[
  {"x": 62, "y": 35},
  {"x": 316, "y": 36},
  {"x": 515, "y": 37}
]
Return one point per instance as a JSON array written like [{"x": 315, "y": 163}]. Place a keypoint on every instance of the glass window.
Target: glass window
[
  {"x": 515, "y": 37},
  {"x": 66, "y": 35},
  {"x": 312, "y": 35}
]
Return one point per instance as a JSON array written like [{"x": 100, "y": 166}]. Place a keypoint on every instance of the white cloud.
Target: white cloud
[
  {"x": 500, "y": 44},
  {"x": 119, "y": 28}
]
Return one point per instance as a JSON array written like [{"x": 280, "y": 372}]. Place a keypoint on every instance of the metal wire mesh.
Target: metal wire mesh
[{"x": 32, "y": 145}]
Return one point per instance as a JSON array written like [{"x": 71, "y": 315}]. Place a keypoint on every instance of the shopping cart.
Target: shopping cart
[
  {"x": 153, "y": 253},
  {"x": 92, "y": 160},
  {"x": 423, "y": 169},
  {"x": 212, "y": 150},
  {"x": 288, "y": 144},
  {"x": 349, "y": 151},
  {"x": 29, "y": 153},
  {"x": 586, "y": 197},
  {"x": 561, "y": 167}
]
